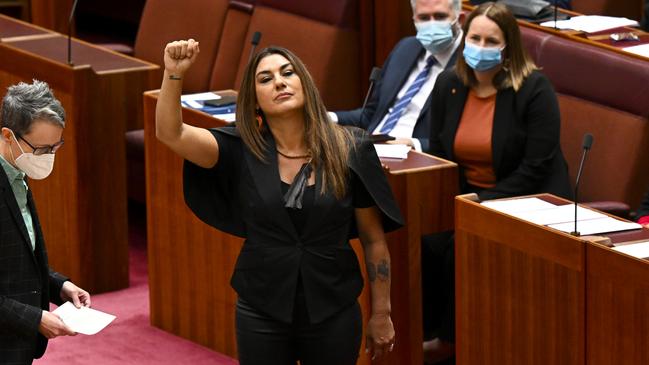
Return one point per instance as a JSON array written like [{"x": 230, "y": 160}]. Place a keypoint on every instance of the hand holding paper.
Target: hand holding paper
[{"x": 83, "y": 320}]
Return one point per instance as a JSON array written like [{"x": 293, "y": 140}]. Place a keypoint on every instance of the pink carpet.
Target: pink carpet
[{"x": 130, "y": 339}]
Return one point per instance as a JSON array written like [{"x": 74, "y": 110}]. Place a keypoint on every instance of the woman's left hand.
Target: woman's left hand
[{"x": 379, "y": 337}]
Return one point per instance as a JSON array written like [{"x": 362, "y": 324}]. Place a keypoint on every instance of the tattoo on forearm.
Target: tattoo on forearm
[{"x": 380, "y": 271}]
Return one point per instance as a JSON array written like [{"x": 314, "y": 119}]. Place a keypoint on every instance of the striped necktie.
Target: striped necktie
[{"x": 401, "y": 104}]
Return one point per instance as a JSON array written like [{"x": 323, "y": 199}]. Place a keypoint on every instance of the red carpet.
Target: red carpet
[{"x": 130, "y": 339}]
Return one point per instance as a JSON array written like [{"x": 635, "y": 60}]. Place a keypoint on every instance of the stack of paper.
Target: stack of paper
[
  {"x": 639, "y": 250},
  {"x": 591, "y": 23},
  {"x": 399, "y": 151},
  {"x": 197, "y": 101},
  {"x": 642, "y": 50},
  {"x": 514, "y": 206},
  {"x": 561, "y": 217}
]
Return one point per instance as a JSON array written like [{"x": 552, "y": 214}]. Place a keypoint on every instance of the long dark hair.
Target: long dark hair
[{"x": 328, "y": 143}]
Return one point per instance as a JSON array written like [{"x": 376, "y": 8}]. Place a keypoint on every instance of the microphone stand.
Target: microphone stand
[
  {"x": 588, "y": 141},
  {"x": 74, "y": 7}
]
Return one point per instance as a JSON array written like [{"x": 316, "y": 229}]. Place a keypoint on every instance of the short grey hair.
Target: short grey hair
[
  {"x": 456, "y": 5},
  {"x": 24, "y": 103}
]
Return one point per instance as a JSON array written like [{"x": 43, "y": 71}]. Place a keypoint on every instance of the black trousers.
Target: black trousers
[
  {"x": 262, "y": 340},
  {"x": 438, "y": 285}
]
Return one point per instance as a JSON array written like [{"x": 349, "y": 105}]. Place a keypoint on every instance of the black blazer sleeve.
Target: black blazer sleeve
[
  {"x": 208, "y": 192},
  {"x": 18, "y": 317},
  {"x": 56, "y": 283},
  {"x": 367, "y": 166}
]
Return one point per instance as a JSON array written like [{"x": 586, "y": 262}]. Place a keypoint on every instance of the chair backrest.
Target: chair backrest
[
  {"x": 168, "y": 20},
  {"x": 235, "y": 29},
  {"x": 323, "y": 34},
  {"x": 603, "y": 93},
  {"x": 628, "y": 8}
]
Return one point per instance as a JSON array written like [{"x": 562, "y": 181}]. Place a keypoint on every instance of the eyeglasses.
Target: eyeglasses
[{"x": 41, "y": 150}]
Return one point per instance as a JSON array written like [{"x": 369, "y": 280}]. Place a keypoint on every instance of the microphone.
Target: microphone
[
  {"x": 586, "y": 145},
  {"x": 555, "y": 23},
  {"x": 256, "y": 37},
  {"x": 375, "y": 76},
  {"x": 74, "y": 7}
]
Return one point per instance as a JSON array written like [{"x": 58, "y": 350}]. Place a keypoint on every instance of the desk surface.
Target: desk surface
[
  {"x": 99, "y": 59},
  {"x": 10, "y": 27}
]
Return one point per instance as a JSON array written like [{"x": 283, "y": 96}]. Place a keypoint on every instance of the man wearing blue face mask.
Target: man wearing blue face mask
[
  {"x": 401, "y": 96},
  {"x": 31, "y": 131}
]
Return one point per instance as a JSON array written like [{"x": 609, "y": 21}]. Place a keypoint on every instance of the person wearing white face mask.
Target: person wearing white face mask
[
  {"x": 31, "y": 131},
  {"x": 401, "y": 97},
  {"x": 498, "y": 117}
]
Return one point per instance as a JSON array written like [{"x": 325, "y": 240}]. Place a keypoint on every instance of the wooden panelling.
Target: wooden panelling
[
  {"x": 516, "y": 302},
  {"x": 82, "y": 205}
]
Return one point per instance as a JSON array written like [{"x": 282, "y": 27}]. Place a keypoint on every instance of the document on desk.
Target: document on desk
[
  {"x": 83, "y": 320},
  {"x": 399, "y": 151},
  {"x": 196, "y": 100},
  {"x": 559, "y": 214},
  {"x": 596, "y": 226},
  {"x": 641, "y": 50},
  {"x": 591, "y": 23},
  {"x": 514, "y": 206},
  {"x": 639, "y": 249}
]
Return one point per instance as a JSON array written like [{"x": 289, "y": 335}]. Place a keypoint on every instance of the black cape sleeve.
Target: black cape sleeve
[
  {"x": 209, "y": 193},
  {"x": 367, "y": 166}
]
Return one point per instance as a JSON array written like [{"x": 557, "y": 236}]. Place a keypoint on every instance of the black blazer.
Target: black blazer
[
  {"x": 241, "y": 195},
  {"x": 527, "y": 155},
  {"x": 26, "y": 283},
  {"x": 394, "y": 74}
]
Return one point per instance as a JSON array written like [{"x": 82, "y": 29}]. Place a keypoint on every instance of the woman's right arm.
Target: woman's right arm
[{"x": 194, "y": 144}]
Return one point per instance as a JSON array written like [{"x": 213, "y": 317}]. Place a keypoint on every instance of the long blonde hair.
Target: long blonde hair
[{"x": 328, "y": 143}]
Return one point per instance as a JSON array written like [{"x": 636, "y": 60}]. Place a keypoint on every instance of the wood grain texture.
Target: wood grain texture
[
  {"x": 82, "y": 205},
  {"x": 617, "y": 325},
  {"x": 51, "y": 14},
  {"x": 520, "y": 291},
  {"x": 190, "y": 263}
]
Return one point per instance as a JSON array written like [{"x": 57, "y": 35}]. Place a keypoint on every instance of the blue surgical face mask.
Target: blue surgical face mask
[
  {"x": 482, "y": 58},
  {"x": 435, "y": 35}
]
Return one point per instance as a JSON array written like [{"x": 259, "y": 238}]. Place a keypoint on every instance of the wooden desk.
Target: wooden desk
[
  {"x": 190, "y": 263},
  {"x": 82, "y": 205},
  {"x": 527, "y": 294}
]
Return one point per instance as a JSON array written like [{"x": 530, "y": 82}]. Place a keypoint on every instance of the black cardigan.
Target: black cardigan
[
  {"x": 242, "y": 196},
  {"x": 527, "y": 156}
]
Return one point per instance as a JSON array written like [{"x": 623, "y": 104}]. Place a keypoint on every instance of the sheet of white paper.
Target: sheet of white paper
[
  {"x": 558, "y": 214},
  {"x": 642, "y": 50},
  {"x": 392, "y": 150},
  {"x": 596, "y": 226},
  {"x": 639, "y": 250},
  {"x": 592, "y": 23},
  {"x": 228, "y": 117},
  {"x": 83, "y": 320},
  {"x": 513, "y": 206}
]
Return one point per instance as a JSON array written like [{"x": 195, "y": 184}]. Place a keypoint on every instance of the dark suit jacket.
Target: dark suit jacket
[
  {"x": 394, "y": 74},
  {"x": 241, "y": 195},
  {"x": 527, "y": 155},
  {"x": 26, "y": 283}
]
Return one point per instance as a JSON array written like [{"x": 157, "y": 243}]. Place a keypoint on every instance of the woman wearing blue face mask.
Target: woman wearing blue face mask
[{"x": 498, "y": 117}]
